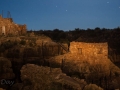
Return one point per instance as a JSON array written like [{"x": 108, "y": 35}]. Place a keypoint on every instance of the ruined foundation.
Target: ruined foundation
[{"x": 8, "y": 27}]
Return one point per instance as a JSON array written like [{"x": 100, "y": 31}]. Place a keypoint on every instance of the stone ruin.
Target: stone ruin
[
  {"x": 89, "y": 49},
  {"x": 8, "y": 27},
  {"x": 90, "y": 52},
  {"x": 83, "y": 54},
  {"x": 90, "y": 59}
]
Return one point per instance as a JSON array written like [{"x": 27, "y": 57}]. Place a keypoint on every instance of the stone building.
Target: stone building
[
  {"x": 89, "y": 49},
  {"x": 8, "y": 27}
]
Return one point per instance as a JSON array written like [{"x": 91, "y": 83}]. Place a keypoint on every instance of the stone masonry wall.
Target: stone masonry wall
[
  {"x": 89, "y": 49},
  {"x": 7, "y": 26}
]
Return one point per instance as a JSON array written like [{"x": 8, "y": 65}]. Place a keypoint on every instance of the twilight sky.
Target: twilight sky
[{"x": 63, "y": 14}]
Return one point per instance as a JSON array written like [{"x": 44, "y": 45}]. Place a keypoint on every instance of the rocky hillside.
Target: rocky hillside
[
  {"x": 92, "y": 69},
  {"x": 45, "y": 78}
]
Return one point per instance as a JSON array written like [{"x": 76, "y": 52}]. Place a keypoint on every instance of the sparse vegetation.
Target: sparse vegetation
[
  {"x": 92, "y": 87},
  {"x": 34, "y": 49}
]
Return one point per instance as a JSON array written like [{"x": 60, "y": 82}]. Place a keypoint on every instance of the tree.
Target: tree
[{"x": 97, "y": 28}]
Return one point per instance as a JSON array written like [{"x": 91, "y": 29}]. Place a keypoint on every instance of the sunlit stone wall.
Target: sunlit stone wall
[
  {"x": 7, "y": 26},
  {"x": 89, "y": 49}
]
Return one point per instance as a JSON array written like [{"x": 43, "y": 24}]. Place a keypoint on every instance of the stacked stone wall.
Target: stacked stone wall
[
  {"x": 89, "y": 49},
  {"x": 11, "y": 27}
]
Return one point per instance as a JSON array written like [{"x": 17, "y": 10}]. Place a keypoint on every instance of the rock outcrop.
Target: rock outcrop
[
  {"x": 39, "y": 77},
  {"x": 88, "y": 60}
]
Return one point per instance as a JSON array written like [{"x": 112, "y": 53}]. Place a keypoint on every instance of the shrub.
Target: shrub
[
  {"x": 22, "y": 42},
  {"x": 92, "y": 87}
]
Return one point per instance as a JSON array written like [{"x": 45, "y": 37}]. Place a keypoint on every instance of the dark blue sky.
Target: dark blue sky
[{"x": 63, "y": 14}]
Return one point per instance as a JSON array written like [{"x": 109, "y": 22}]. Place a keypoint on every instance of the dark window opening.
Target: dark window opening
[
  {"x": 80, "y": 50},
  {"x": 3, "y": 34},
  {"x": 100, "y": 51}
]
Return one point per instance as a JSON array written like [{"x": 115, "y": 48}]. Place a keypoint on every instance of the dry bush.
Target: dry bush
[{"x": 92, "y": 87}]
